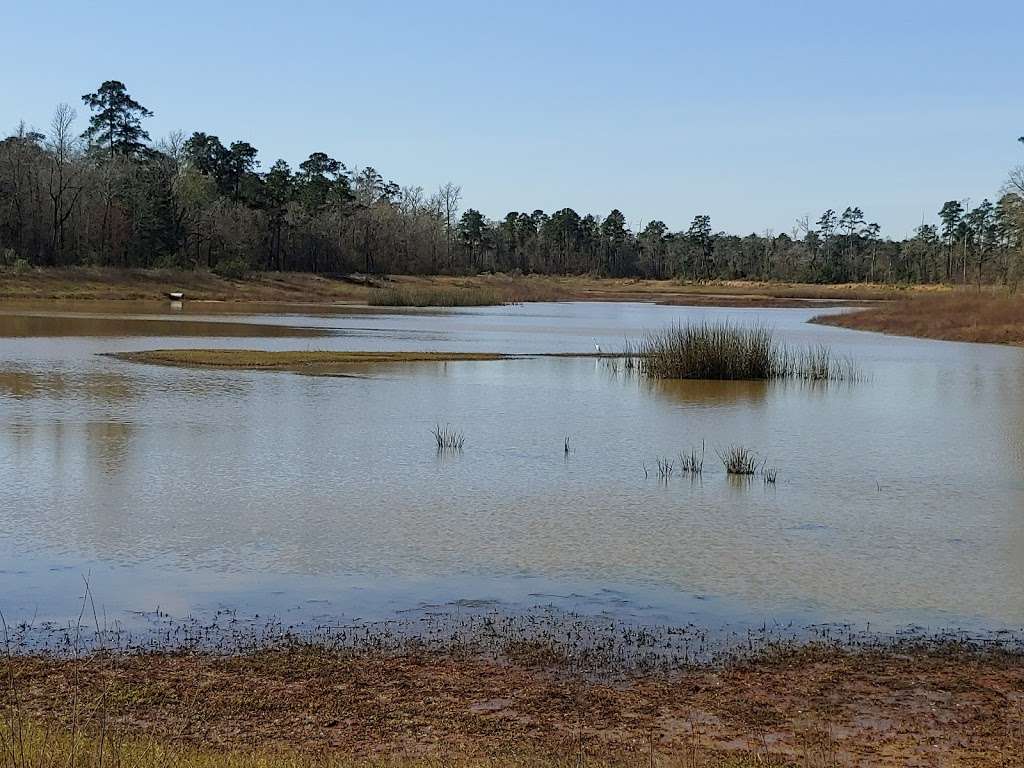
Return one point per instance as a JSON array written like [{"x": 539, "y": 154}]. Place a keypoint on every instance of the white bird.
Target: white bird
[{"x": 597, "y": 346}]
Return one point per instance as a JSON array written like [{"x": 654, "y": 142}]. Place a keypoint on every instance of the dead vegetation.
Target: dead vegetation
[
  {"x": 519, "y": 699},
  {"x": 304, "y": 705},
  {"x": 104, "y": 283},
  {"x": 988, "y": 316}
]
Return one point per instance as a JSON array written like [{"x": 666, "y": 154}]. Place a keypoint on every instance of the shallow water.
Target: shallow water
[{"x": 899, "y": 499}]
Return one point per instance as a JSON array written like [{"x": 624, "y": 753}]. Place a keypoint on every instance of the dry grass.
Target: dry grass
[
  {"x": 95, "y": 283},
  {"x": 302, "y": 704},
  {"x": 292, "y": 360},
  {"x": 305, "y": 706},
  {"x": 988, "y": 316},
  {"x": 38, "y": 746},
  {"x": 436, "y": 296}
]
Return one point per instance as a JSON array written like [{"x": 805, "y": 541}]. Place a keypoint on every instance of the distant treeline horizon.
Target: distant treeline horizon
[{"x": 110, "y": 196}]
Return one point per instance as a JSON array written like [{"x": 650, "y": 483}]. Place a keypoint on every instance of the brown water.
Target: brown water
[{"x": 899, "y": 499}]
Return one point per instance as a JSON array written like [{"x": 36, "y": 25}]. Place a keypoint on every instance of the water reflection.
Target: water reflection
[
  {"x": 76, "y": 325},
  {"x": 897, "y": 497},
  {"x": 103, "y": 386},
  {"x": 711, "y": 393},
  {"x": 108, "y": 445}
]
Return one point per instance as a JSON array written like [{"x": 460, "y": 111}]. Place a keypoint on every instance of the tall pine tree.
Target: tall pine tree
[{"x": 116, "y": 122}]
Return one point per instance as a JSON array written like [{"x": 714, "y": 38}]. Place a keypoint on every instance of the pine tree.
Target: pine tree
[{"x": 116, "y": 123}]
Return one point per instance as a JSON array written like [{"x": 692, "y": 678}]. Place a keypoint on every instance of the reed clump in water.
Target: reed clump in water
[
  {"x": 818, "y": 363},
  {"x": 448, "y": 439},
  {"x": 692, "y": 463},
  {"x": 725, "y": 351},
  {"x": 435, "y": 296},
  {"x": 665, "y": 467},
  {"x": 739, "y": 460}
]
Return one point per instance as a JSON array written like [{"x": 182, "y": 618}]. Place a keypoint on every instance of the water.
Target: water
[{"x": 899, "y": 499}]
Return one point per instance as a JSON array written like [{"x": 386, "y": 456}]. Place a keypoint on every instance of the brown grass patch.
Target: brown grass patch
[
  {"x": 96, "y": 283},
  {"x": 292, "y": 360},
  {"x": 807, "y": 708},
  {"x": 988, "y": 316}
]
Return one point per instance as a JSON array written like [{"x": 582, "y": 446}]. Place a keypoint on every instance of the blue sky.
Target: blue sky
[{"x": 753, "y": 112}]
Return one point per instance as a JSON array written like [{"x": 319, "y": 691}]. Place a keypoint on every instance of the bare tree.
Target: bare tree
[
  {"x": 1015, "y": 182},
  {"x": 449, "y": 195},
  {"x": 64, "y": 172}
]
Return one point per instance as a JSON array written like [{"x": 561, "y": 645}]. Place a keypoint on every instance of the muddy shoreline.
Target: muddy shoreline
[
  {"x": 105, "y": 284},
  {"x": 492, "y": 688},
  {"x": 812, "y": 704}
]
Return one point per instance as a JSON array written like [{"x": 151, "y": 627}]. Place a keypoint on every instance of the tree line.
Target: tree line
[{"x": 111, "y": 196}]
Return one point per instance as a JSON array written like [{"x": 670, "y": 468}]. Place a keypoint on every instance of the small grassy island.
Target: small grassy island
[{"x": 315, "y": 361}]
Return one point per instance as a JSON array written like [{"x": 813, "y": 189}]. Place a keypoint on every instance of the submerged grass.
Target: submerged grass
[
  {"x": 436, "y": 296},
  {"x": 725, "y": 351}
]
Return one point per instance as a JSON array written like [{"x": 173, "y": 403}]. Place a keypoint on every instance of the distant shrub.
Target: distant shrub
[
  {"x": 236, "y": 268},
  {"x": 11, "y": 262},
  {"x": 435, "y": 296}
]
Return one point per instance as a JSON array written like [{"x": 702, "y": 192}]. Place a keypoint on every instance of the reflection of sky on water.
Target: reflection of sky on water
[{"x": 898, "y": 498}]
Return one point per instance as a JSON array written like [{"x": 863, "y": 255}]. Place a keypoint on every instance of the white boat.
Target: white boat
[{"x": 175, "y": 295}]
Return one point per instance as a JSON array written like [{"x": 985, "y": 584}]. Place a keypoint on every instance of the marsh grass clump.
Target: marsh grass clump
[
  {"x": 739, "y": 460},
  {"x": 708, "y": 351},
  {"x": 818, "y": 363},
  {"x": 769, "y": 474},
  {"x": 435, "y": 296},
  {"x": 665, "y": 467},
  {"x": 692, "y": 463},
  {"x": 724, "y": 351},
  {"x": 448, "y": 439},
  {"x": 630, "y": 355}
]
